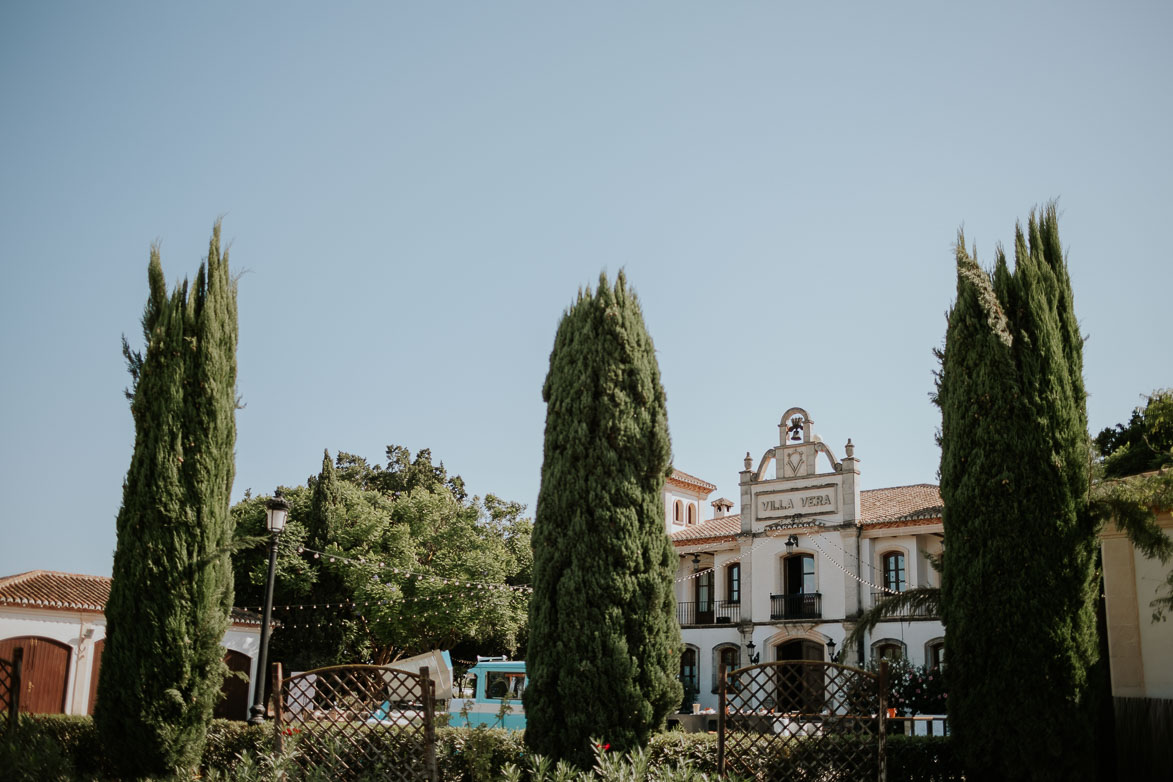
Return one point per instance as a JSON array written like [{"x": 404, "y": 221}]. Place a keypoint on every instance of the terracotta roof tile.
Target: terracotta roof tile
[
  {"x": 900, "y": 503},
  {"x": 692, "y": 480},
  {"x": 893, "y": 506},
  {"x": 726, "y": 527},
  {"x": 72, "y": 591}
]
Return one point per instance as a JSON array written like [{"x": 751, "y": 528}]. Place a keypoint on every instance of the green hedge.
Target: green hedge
[
  {"x": 66, "y": 747},
  {"x": 57, "y": 747}
]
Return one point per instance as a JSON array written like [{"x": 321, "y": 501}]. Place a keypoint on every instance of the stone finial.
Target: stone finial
[
  {"x": 748, "y": 461},
  {"x": 849, "y": 448}
]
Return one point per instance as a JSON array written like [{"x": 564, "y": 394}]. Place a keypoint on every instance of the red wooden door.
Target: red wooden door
[
  {"x": 46, "y": 668},
  {"x": 234, "y": 705}
]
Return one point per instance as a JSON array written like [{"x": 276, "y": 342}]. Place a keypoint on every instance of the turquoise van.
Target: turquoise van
[{"x": 490, "y": 694}]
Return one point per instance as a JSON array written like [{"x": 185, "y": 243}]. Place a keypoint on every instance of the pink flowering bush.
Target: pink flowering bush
[{"x": 914, "y": 689}]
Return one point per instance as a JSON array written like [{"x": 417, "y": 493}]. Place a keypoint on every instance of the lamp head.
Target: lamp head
[{"x": 276, "y": 512}]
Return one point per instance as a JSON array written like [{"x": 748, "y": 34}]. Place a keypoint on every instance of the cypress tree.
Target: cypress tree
[
  {"x": 169, "y": 603},
  {"x": 1017, "y": 596},
  {"x": 604, "y": 642}
]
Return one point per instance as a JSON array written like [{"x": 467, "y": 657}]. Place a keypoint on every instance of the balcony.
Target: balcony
[
  {"x": 801, "y": 606},
  {"x": 714, "y": 612},
  {"x": 906, "y": 612}
]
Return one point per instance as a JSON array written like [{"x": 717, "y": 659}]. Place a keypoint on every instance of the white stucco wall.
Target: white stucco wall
[{"x": 71, "y": 628}]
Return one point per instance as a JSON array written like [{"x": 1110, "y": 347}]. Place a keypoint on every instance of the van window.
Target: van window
[{"x": 501, "y": 684}]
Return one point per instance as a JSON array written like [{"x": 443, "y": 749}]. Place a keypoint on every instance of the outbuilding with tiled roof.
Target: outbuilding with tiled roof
[{"x": 57, "y": 621}]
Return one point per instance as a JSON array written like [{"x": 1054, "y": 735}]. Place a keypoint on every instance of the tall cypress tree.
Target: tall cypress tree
[
  {"x": 169, "y": 603},
  {"x": 604, "y": 642},
  {"x": 1019, "y": 554}
]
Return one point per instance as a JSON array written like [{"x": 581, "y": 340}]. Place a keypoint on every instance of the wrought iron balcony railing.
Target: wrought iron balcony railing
[
  {"x": 802, "y": 606},
  {"x": 908, "y": 612},
  {"x": 712, "y": 612}
]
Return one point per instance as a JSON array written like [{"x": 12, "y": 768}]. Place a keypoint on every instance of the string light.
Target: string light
[
  {"x": 863, "y": 581},
  {"x": 411, "y": 574},
  {"x": 815, "y": 538}
]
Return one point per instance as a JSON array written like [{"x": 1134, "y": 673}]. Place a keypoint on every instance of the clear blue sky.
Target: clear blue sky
[{"x": 415, "y": 191}]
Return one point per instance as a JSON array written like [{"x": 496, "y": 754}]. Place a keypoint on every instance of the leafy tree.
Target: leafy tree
[
  {"x": 1145, "y": 443},
  {"x": 604, "y": 643},
  {"x": 1017, "y": 596},
  {"x": 402, "y": 544},
  {"x": 172, "y": 591},
  {"x": 1136, "y": 461}
]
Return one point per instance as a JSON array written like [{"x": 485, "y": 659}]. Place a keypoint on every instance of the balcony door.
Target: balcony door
[
  {"x": 704, "y": 597},
  {"x": 798, "y": 586}
]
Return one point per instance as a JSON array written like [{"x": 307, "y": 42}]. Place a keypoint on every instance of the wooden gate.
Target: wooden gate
[
  {"x": 10, "y": 671},
  {"x": 46, "y": 669},
  {"x": 360, "y": 722},
  {"x": 802, "y": 720}
]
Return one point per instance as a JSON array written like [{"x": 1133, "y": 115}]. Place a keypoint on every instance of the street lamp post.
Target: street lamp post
[{"x": 276, "y": 511}]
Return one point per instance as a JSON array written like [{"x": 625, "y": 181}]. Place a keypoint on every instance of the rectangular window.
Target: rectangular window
[{"x": 733, "y": 583}]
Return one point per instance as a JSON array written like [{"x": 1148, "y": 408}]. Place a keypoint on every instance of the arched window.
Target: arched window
[
  {"x": 895, "y": 575},
  {"x": 689, "y": 675},
  {"x": 692, "y": 513},
  {"x": 726, "y": 657},
  {"x": 677, "y": 510},
  {"x": 935, "y": 654},
  {"x": 888, "y": 649}
]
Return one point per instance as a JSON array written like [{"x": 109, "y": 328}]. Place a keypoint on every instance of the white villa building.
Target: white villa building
[{"x": 784, "y": 578}]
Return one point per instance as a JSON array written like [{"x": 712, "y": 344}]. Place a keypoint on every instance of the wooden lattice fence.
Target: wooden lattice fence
[
  {"x": 360, "y": 722},
  {"x": 802, "y": 720}
]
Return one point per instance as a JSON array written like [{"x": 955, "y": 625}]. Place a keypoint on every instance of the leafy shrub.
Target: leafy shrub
[
  {"x": 697, "y": 749},
  {"x": 477, "y": 754},
  {"x": 29, "y": 753},
  {"x": 230, "y": 741},
  {"x": 66, "y": 746}
]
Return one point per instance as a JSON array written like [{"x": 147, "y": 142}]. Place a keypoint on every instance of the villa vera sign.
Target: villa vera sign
[{"x": 800, "y": 501}]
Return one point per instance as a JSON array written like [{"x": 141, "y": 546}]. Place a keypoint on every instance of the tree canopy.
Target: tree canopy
[
  {"x": 379, "y": 562},
  {"x": 1143, "y": 444}
]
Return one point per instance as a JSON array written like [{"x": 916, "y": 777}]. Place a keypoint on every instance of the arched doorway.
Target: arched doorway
[
  {"x": 234, "y": 694},
  {"x": 799, "y": 688},
  {"x": 44, "y": 674}
]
